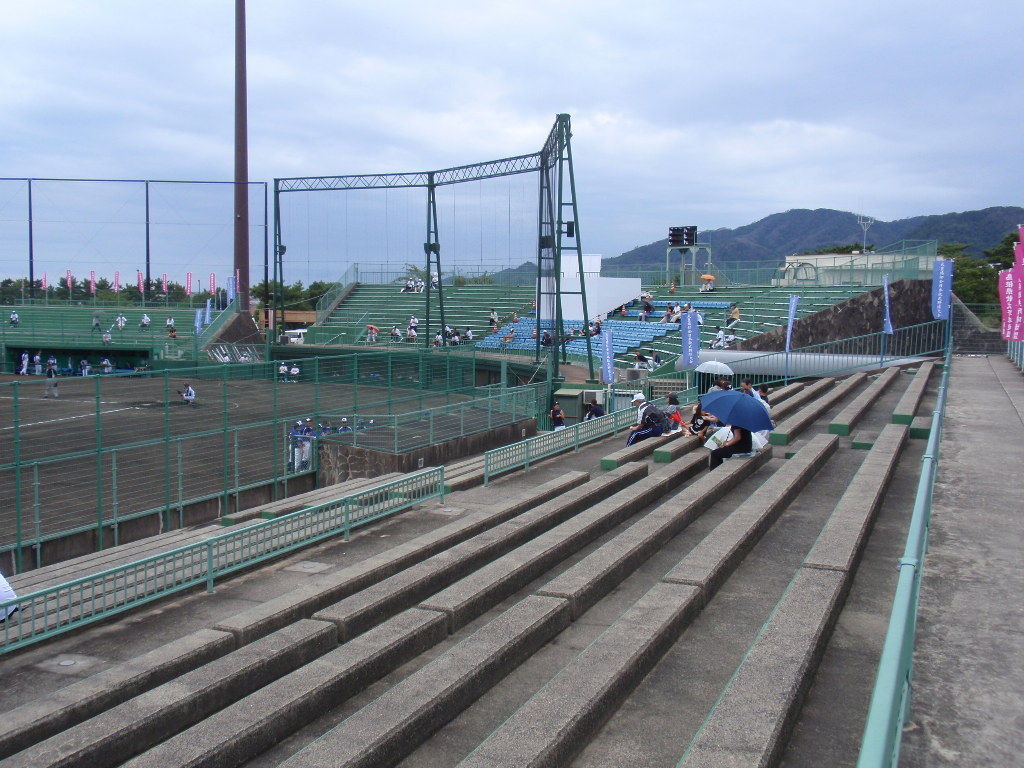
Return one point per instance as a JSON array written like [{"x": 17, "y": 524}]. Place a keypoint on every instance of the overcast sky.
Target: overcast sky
[{"x": 712, "y": 113}]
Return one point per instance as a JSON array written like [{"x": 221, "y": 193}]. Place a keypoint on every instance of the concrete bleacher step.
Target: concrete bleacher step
[
  {"x": 385, "y": 730},
  {"x": 906, "y": 408},
  {"x": 562, "y": 716},
  {"x": 69, "y": 706},
  {"x": 751, "y": 721},
  {"x": 638, "y": 451},
  {"x": 799, "y": 421},
  {"x": 284, "y": 506},
  {"x": 113, "y": 736},
  {"x": 921, "y": 427},
  {"x": 847, "y": 419},
  {"x": 450, "y": 609},
  {"x": 381, "y": 626}
]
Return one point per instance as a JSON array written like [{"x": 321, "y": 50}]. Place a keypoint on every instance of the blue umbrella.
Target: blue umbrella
[{"x": 737, "y": 409}]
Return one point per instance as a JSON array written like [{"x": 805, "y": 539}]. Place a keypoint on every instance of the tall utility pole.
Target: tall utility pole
[{"x": 241, "y": 162}]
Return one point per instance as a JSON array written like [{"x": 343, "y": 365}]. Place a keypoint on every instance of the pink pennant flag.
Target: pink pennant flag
[
  {"x": 70, "y": 282},
  {"x": 1011, "y": 300},
  {"x": 92, "y": 281},
  {"x": 213, "y": 283},
  {"x": 138, "y": 280},
  {"x": 188, "y": 283},
  {"x": 46, "y": 283},
  {"x": 164, "y": 282},
  {"x": 117, "y": 281}
]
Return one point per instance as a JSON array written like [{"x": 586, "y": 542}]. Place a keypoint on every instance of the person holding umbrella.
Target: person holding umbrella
[{"x": 743, "y": 415}]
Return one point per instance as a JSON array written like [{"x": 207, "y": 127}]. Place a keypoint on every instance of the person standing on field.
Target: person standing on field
[{"x": 51, "y": 381}]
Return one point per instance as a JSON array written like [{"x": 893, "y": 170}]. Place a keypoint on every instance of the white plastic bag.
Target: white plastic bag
[
  {"x": 759, "y": 440},
  {"x": 719, "y": 438}
]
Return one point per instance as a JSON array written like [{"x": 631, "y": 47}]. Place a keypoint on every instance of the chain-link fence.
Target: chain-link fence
[{"x": 102, "y": 450}]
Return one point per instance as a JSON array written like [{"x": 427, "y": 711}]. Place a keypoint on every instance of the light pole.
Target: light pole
[{"x": 865, "y": 224}]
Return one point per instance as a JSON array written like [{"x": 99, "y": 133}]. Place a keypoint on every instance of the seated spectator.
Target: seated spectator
[
  {"x": 509, "y": 337},
  {"x": 648, "y": 421},
  {"x": 642, "y": 317},
  {"x": 667, "y": 317},
  {"x": 411, "y": 334},
  {"x": 396, "y": 335},
  {"x": 545, "y": 339},
  {"x": 640, "y": 364},
  {"x": 438, "y": 339},
  {"x": 729, "y": 340},
  {"x": 734, "y": 315},
  {"x": 409, "y": 287},
  {"x": 700, "y": 423},
  {"x": 655, "y": 360},
  {"x": 762, "y": 392},
  {"x": 371, "y": 333},
  {"x": 740, "y": 442},
  {"x": 456, "y": 339},
  {"x": 469, "y": 335},
  {"x": 719, "y": 341},
  {"x": 493, "y": 316},
  {"x": 144, "y": 322},
  {"x": 172, "y": 333},
  {"x": 293, "y": 372},
  {"x": 674, "y": 414},
  {"x": 106, "y": 338},
  {"x": 597, "y": 328},
  {"x": 747, "y": 387},
  {"x": 14, "y": 318},
  {"x": 594, "y": 410},
  {"x": 721, "y": 384}
]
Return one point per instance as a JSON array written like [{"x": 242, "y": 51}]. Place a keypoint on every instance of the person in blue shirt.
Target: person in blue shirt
[{"x": 594, "y": 410}]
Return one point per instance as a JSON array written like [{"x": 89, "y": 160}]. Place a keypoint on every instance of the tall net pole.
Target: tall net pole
[{"x": 241, "y": 162}]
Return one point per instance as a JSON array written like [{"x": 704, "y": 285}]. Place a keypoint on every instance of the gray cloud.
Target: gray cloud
[{"x": 706, "y": 113}]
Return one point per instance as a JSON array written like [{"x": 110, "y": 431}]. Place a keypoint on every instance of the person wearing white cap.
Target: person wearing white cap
[{"x": 648, "y": 420}]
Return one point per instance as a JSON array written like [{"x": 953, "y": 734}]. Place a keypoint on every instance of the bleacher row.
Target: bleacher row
[
  {"x": 74, "y": 324},
  {"x": 572, "y": 590},
  {"x": 626, "y": 335},
  {"x": 386, "y": 306}
]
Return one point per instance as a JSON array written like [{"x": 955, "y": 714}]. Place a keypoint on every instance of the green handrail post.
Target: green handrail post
[
  {"x": 209, "y": 566},
  {"x": 16, "y": 406},
  {"x": 165, "y": 517},
  {"x": 99, "y": 466},
  {"x": 225, "y": 483},
  {"x": 113, "y": 495}
]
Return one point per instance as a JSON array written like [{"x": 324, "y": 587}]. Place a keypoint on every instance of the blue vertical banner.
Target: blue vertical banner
[
  {"x": 208, "y": 311},
  {"x": 199, "y": 320},
  {"x": 790, "y": 318},
  {"x": 887, "y": 319},
  {"x": 942, "y": 286},
  {"x": 690, "y": 328},
  {"x": 231, "y": 289},
  {"x": 607, "y": 357}
]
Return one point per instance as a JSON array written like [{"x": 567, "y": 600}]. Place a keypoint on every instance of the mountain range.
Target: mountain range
[{"x": 771, "y": 239}]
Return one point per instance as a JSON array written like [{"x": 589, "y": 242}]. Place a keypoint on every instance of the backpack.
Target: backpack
[{"x": 654, "y": 415}]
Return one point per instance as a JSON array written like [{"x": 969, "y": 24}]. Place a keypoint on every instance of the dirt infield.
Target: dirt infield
[{"x": 64, "y": 475}]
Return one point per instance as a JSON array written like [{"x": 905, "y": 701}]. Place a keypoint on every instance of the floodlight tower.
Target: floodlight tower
[{"x": 865, "y": 224}]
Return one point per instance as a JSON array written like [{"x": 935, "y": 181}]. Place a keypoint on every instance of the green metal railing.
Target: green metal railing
[
  {"x": 399, "y": 433},
  {"x": 210, "y": 332},
  {"x": 1015, "y": 351},
  {"x": 526, "y": 452},
  {"x": 64, "y": 607},
  {"x": 326, "y": 303},
  {"x": 890, "y": 700},
  {"x": 842, "y": 355},
  {"x": 120, "y": 447}
]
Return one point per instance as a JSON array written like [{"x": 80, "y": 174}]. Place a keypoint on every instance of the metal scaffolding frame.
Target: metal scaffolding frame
[{"x": 554, "y": 166}]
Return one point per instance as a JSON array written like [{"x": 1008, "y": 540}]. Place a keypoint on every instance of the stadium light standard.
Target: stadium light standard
[{"x": 865, "y": 224}]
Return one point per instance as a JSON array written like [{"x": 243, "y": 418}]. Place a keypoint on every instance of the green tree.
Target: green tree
[{"x": 975, "y": 281}]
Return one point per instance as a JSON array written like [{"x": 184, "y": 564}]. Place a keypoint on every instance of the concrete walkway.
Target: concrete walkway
[{"x": 968, "y": 704}]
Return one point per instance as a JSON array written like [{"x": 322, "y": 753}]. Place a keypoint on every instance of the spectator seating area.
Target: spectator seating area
[
  {"x": 385, "y": 306},
  {"x": 761, "y": 309},
  {"x": 56, "y": 324},
  {"x": 650, "y": 614}
]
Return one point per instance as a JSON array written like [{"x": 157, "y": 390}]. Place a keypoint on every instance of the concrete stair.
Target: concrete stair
[{"x": 645, "y": 615}]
